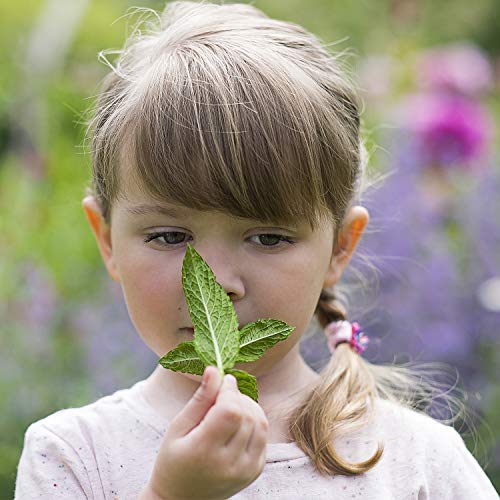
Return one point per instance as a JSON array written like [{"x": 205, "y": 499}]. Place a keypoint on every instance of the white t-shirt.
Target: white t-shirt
[{"x": 106, "y": 450}]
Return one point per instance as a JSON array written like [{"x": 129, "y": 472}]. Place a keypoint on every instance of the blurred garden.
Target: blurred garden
[{"x": 429, "y": 76}]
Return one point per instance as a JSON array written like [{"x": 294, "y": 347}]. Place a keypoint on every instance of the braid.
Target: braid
[{"x": 329, "y": 308}]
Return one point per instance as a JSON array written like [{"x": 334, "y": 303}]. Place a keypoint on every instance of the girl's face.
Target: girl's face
[{"x": 269, "y": 271}]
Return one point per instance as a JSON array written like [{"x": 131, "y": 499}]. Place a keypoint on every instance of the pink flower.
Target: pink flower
[{"x": 449, "y": 129}]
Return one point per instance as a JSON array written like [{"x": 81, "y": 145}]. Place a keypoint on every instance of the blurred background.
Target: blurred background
[{"x": 429, "y": 75}]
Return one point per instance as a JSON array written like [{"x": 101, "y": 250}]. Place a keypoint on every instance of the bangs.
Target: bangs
[{"x": 215, "y": 133}]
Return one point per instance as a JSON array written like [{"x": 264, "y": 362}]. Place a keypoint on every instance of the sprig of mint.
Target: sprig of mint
[{"x": 217, "y": 340}]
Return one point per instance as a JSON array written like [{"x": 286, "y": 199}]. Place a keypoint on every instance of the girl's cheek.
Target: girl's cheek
[
  {"x": 152, "y": 292},
  {"x": 151, "y": 270},
  {"x": 156, "y": 310}
]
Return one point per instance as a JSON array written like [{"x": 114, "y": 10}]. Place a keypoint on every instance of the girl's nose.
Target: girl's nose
[{"x": 227, "y": 272}]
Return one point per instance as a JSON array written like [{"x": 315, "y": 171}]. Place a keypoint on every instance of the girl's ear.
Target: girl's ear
[
  {"x": 102, "y": 233},
  {"x": 349, "y": 236}
]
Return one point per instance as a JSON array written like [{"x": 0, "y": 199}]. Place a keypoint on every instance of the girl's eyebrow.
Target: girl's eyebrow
[
  {"x": 144, "y": 209},
  {"x": 176, "y": 213}
]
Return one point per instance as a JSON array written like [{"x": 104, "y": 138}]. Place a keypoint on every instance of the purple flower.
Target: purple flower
[
  {"x": 112, "y": 351},
  {"x": 432, "y": 257},
  {"x": 35, "y": 307},
  {"x": 459, "y": 68},
  {"x": 450, "y": 130}
]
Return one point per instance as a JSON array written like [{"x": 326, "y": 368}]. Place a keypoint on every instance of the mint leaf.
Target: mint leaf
[
  {"x": 216, "y": 335},
  {"x": 256, "y": 337},
  {"x": 247, "y": 384},
  {"x": 183, "y": 358},
  {"x": 217, "y": 340}
]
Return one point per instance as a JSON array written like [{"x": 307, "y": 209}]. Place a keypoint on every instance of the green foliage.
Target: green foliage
[
  {"x": 217, "y": 340},
  {"x": 212, "y": 313}
]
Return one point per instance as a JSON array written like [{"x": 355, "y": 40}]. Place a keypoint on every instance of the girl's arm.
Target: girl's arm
[{"x": 50, "y": 468}]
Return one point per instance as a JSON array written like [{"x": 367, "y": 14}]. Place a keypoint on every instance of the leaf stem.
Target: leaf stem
[{"x": 218, "y": 357}]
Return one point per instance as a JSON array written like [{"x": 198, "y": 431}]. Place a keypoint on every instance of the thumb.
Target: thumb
[{"x": 199, "y": 404}]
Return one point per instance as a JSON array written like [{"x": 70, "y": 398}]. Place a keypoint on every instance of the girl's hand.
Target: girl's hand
[{"x": 215, "y": 446}]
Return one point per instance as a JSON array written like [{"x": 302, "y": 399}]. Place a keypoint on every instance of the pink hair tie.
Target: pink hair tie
[{"x": 343, "y": 331}]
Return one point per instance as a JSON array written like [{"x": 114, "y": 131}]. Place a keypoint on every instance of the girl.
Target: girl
[{"x": 241, "y": 135}]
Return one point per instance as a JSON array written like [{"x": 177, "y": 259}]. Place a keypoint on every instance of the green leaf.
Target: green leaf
[
  {"x": 247, "y": 384},
  {"x": 183, "y": 358},
  {"x": 217, "y": 340},
  {"x": 256, "y": 337},
  {"x": 216, "y": 335}
]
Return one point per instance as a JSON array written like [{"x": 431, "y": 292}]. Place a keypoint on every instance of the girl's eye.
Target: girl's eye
[
  {"x": 171, "y": 237},
  {"x": 272, "y": 240}
]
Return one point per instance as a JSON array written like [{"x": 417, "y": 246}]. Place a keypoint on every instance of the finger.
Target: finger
[
  {"x": 199, "y": 404},
  {"x": 257, "y": 442},
  {"x": 224, "y": 418},
  {"x": 253, "y": 417},
  {"x": 237, "y": 444}
]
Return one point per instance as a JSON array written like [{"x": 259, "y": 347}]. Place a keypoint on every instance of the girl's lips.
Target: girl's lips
[{"x": 188, "y": 329}]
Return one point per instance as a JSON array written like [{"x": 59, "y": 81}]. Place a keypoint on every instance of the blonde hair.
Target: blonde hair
[{"x": 220, "y": 107}]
